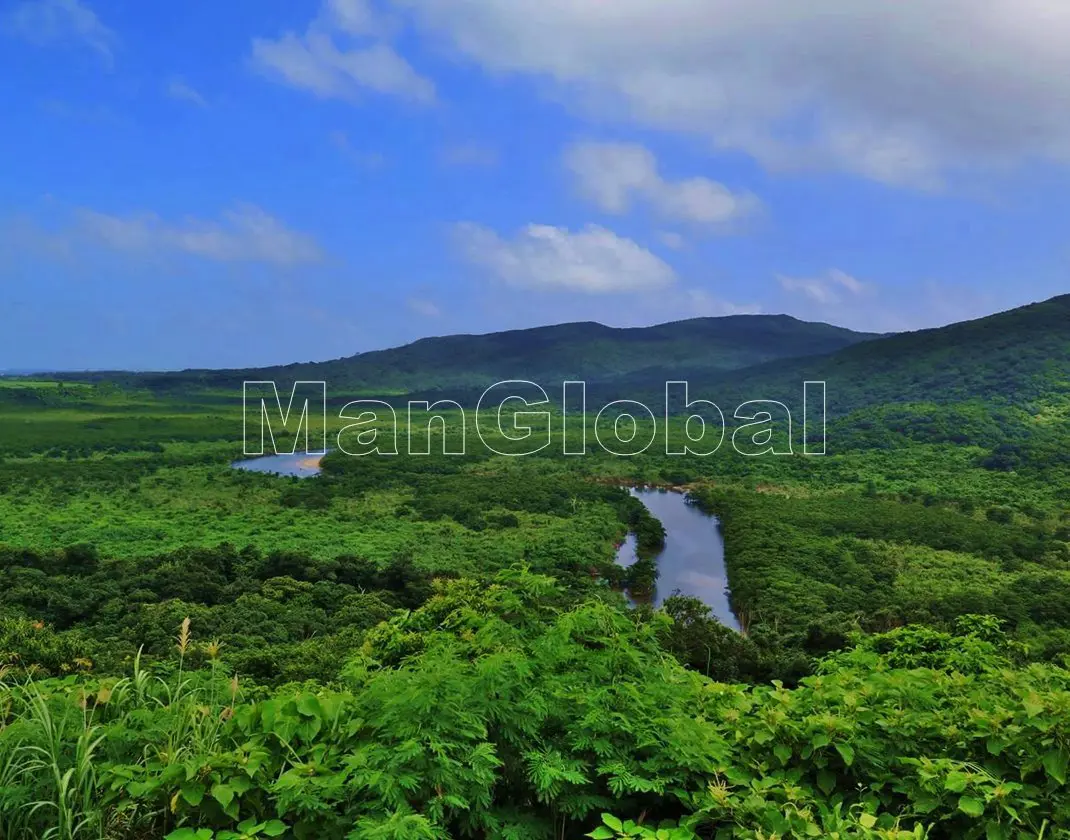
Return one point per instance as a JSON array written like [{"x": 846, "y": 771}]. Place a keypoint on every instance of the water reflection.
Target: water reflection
[
  {"x": 301, "y": 464},
  {"x": 693, "y": 558}
]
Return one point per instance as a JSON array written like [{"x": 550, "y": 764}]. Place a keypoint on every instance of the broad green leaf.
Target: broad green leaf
[
  {"x": 847, "y": 753},
  {"x": 955, "y": 782},
  {"x": 1055, "y": 763},
  {"x": 1032, "y": 707},
  {"x": 971, "y": 805},
  {"x": 190, "y": 834},
  {"x": 193, "y": 793},
  {"x": 995, "y": 831},
  {"x": 309, "y": 705},
  {"x": 223, "y": 794}
]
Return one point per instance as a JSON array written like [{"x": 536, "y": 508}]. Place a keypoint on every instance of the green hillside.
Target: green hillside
[
  {"x": 1001, "y": 383},
  {"x": 1020, "y": 357}
]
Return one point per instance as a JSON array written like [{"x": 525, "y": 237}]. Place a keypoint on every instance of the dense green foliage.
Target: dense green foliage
[
  {"x": 496, "y": 710},
  {"x": 811, "y": 570},
  {"x": 438, "y": 647},
  {"x": 1019, "y": 358}
]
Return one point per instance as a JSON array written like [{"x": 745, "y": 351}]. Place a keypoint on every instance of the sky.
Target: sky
[{"x": 267, "y": 181}]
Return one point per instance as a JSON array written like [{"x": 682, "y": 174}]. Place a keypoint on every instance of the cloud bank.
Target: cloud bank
[
  {"x": 45, "y": 22},
  {"x": 245, "y": 234},
  {"x": 899, "y": 92}
]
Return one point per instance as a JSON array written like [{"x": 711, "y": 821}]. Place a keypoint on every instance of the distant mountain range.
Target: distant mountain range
[
  {"x": 548, "y": 355},
  {"x": 1017, "y": 357}
]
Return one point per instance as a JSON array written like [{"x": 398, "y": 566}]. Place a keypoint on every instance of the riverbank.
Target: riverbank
[{"x": 692, "y": 561}]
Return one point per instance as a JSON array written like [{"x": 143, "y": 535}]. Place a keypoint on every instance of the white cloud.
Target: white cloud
[
  {"x": 57, "y": 21},
  {"x": 852, "y": 284},
  {"x": 178, "y": 89},
  {"x": 357, "y": 17},
  {"x": 900, "y": 92},
  {"x": 594, "y": 260},
  {"x": 313, "y": 61},
  {"x": 671, "y": 239},
  {"x": 423, "y": 306},
  {"x": 245, "y": 234},
  {"x": 614, "y": 175},
  {"x": 824, "y": 290}
]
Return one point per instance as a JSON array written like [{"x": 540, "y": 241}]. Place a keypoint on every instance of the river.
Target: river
[
  {"x": 692, "y": 561},
  {"x": 693, "y": 558},
  {"x": 301, "y": 464}
]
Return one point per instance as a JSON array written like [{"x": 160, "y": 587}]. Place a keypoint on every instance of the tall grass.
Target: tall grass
[{"x": 60, "y": 740}]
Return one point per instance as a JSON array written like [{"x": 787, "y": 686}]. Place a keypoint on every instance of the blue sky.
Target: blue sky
[{"x": 261, "y": 181}]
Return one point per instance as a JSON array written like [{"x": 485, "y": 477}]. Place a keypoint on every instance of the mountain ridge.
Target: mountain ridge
[
  {"x": 1017, "y": 357},
  {"x": 580, "y": 350},
  {"x": 1014, "y": 357}
]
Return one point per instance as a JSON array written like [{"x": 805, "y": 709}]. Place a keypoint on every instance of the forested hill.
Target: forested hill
[
  {"x": 1019, "y": 358},
  {"x": 585, "y": 351},
  {"x": 1016, "y": 358}
]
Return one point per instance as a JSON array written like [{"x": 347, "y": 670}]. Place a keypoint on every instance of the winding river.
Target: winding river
[{"x": 692, "y": 562}]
